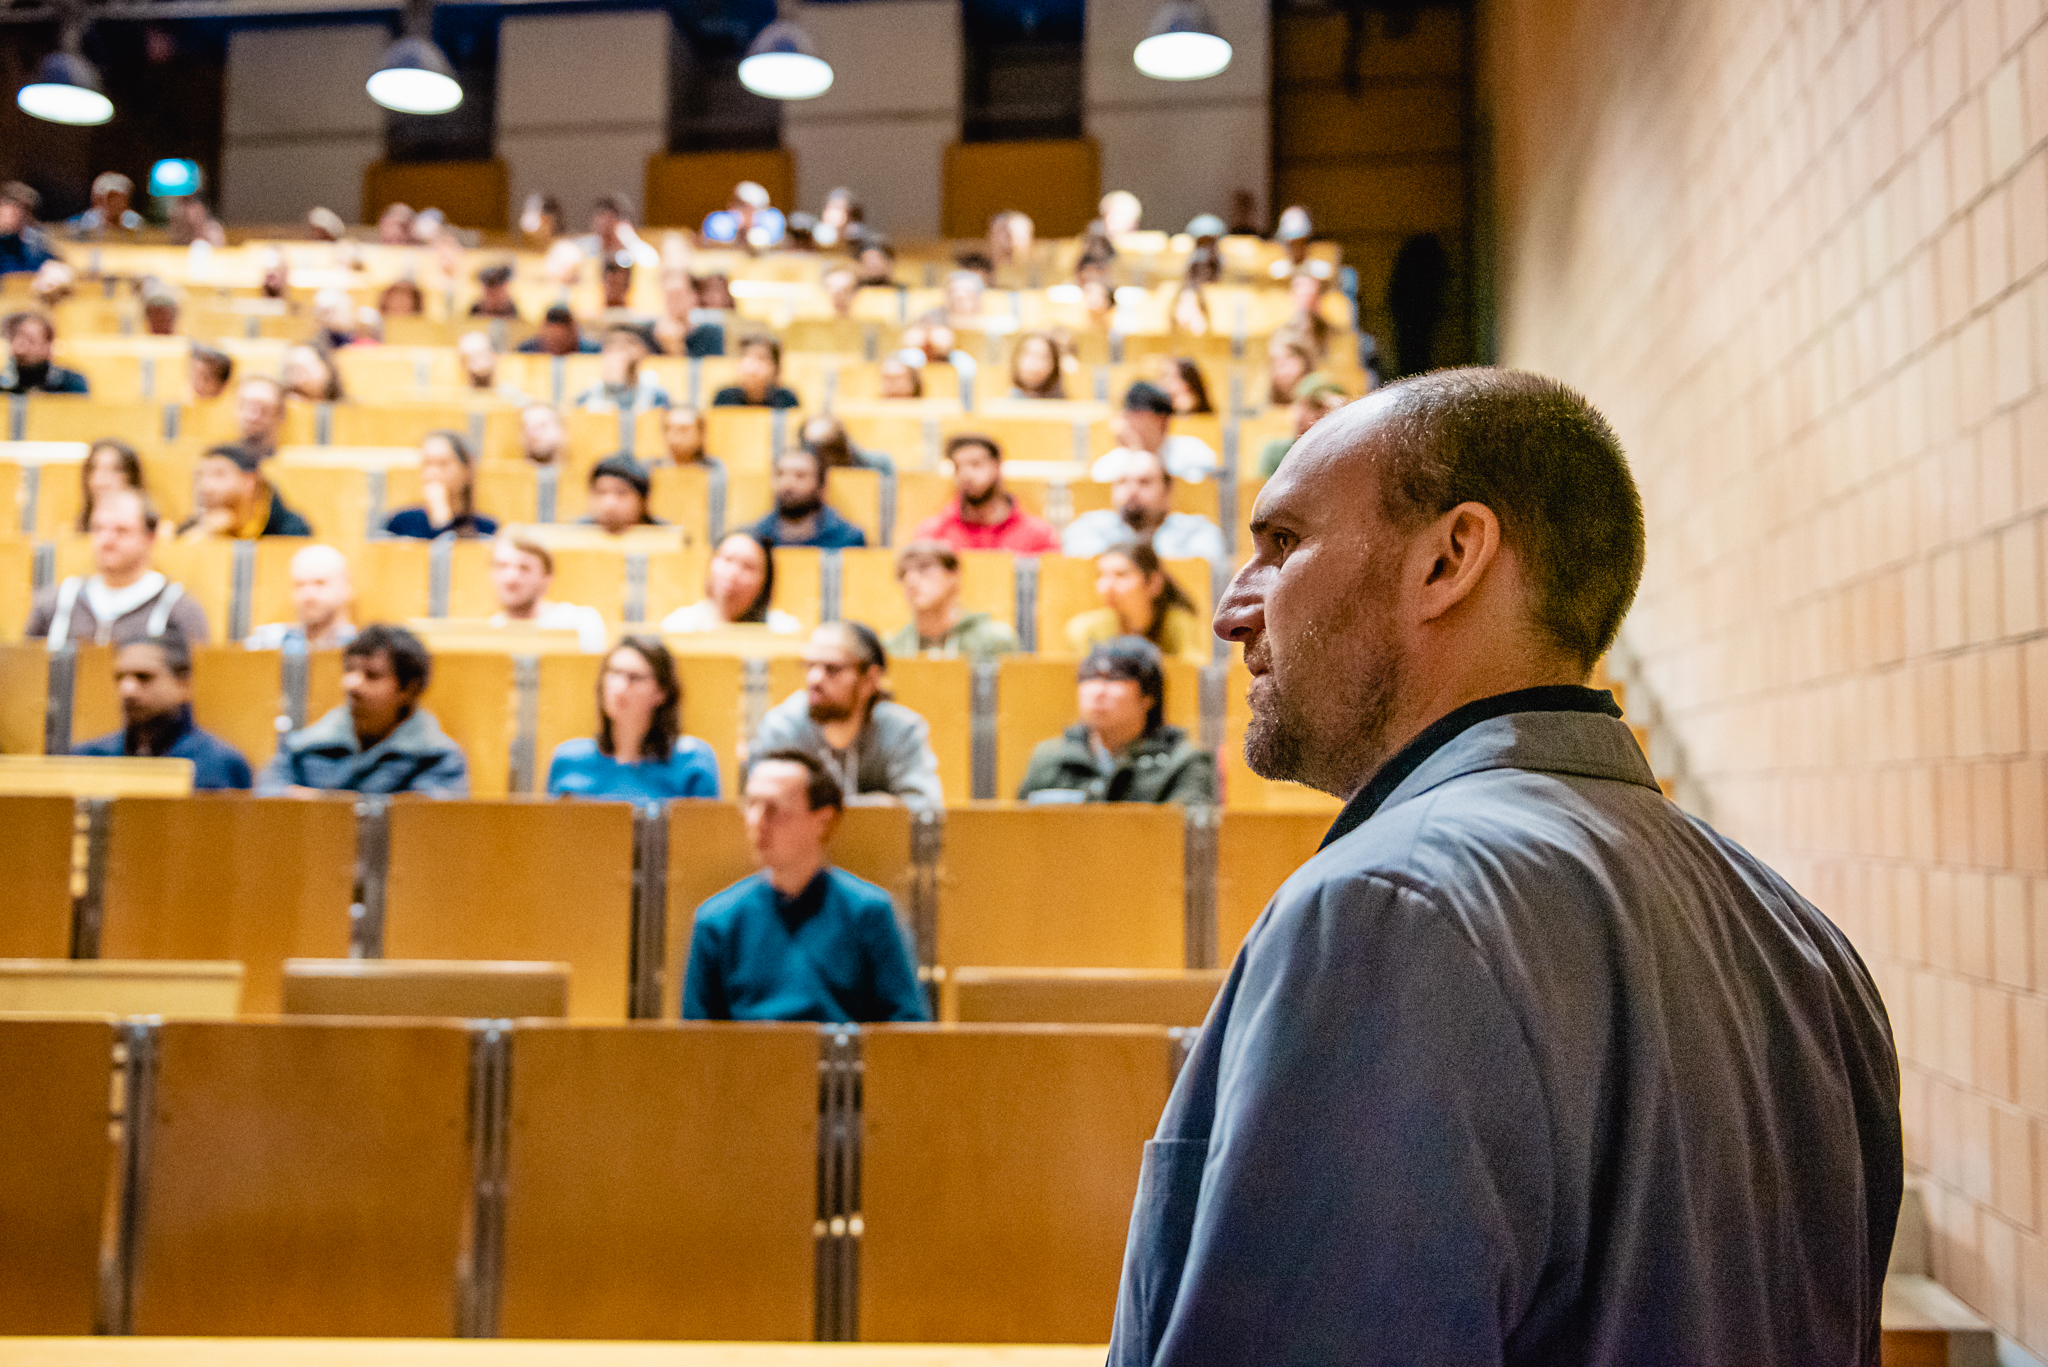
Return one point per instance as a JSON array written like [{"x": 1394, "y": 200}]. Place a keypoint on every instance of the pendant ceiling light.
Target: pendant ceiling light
[
  {"x": 782, "y": 64},
  {"x": 1183, "y": 44},
  {"x": 66, "y": 89},
  {"x": 415, "y": 78}
]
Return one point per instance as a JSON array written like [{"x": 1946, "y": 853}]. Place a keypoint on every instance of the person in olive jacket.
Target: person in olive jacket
[{"x": 1121, "y": 750}]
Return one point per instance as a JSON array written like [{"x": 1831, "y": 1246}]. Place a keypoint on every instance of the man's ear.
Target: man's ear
[{"x": 1454, "y": 554}]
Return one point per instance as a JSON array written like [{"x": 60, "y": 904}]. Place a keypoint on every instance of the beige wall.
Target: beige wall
[{"x": 1797, "y": 252}]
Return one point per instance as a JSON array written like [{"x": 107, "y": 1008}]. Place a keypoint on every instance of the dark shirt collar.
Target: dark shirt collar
[
  {"x": 797, "y": 909},
  {"x": 1447, "y": 728},
  {"x": 157, "y": 735}
]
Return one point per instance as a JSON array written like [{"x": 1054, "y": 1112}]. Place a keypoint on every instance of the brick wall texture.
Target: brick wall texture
[{"x": 1798, "y": 252}]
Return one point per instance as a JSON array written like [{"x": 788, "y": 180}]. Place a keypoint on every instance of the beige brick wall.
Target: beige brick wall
[{"x": 1799, "y": 254}]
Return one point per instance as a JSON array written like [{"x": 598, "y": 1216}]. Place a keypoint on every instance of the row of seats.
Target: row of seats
[
  {"x": 420, "y": 1179},
  {"x": 230, "y": 877}
]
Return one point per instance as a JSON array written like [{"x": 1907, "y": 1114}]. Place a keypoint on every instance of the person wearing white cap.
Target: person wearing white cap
[
  {"x": 1120, "y": 213},
  {"x": 1293, "y": 233}
]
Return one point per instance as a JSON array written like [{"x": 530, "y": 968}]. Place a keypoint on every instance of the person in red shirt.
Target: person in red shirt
[{"x": 985, "y": 516}]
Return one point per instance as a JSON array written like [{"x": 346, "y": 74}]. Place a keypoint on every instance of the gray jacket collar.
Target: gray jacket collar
[{"x": 418, "y": 734}]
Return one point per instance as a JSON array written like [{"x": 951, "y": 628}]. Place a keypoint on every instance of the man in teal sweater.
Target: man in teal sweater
[{"x": 800, "y": 940}]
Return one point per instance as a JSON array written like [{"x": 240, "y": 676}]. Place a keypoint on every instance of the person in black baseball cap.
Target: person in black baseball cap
[
  {"x": 558, "y": 335},
  {"x": 496, "y": 300}
]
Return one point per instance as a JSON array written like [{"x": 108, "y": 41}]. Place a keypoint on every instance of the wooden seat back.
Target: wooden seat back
[
  {"x": 306, "y": 1178},
  {"x": 238, "y": 695},
  {"x": 1098, "y": 886},
  {"x": 227, "y": 876},
  {"x": 470, "y": 694},
  {"x": 941, "y": 691},
  {"x": 82, "y": 417},
  {"x": 517, "y": 880},
  {"x": 999, "y": 1165},
  {"x": 663, "y": 1182},
  {"x": 392, "y": 580},
  {"x": 741, "y": 437},
  {"x": 121, "y": 987},
  {"x": 35, "y": 849},
  {"x": 1078, "y": 996},
  {"x": 471, "y": 988},
  {"x": 56, "y": 1088},
  {"x": 17, "y": 571}
]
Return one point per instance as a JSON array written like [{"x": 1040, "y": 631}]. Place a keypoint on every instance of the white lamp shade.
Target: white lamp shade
[
  {"x": 415, "y": 78},
  {"x": 782, "y": 64},
  {"x": 65, "y": 89},
  {"x": 1183, "y": 45}
]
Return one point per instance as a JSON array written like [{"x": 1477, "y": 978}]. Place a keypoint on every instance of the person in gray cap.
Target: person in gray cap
[{"x": 496, "y": 300}]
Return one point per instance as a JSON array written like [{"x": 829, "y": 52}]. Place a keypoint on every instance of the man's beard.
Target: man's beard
[
  {"x": 824, "y": 712},
  {"x": 797, "y": 509},
  {"x": 1137, "y": 517},
  {"x": 982, "y": 499},
  {"x": 1283, "y": 741}
]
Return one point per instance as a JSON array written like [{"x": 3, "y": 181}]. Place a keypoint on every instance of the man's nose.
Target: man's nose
[{"x": 1241, "y": 612}]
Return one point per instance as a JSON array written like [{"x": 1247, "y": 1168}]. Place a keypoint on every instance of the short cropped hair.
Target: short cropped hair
[
  {"x": 410, "y": 662},
  {"x": 822, "y": 790},
  {"x": 1550, "y": 467},
  {"x": 219, "y": 362},
  {"x": 177, "y": 650},
  {"x": 523, "y": 541},
  {"x": 927, "y": 553},
  {"x": 772, "y": 345},
  {"x": 960, "y": 439}
]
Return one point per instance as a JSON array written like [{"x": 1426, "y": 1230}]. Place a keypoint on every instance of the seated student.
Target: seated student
[
  {"x": 984, "y": 516},
  {"x": 800, "y": 940},
  {"x": 1290, "y": 358},
  {"x": 259, "y": 415},
  {"x": 522, "y": 572},
  {"x": 1146, "y": 415},
  {"x": 827, "y": 436},
  {"x": 929, "y": 572},
  {"x": 234, "y": 500},
  {"x": 801, "y": 517},
  {"x": 110, "y": 466},
  {"x": 878, "y": 750},
  {"x": 1315, "y": 398},
  {"x": 542, "y": 437},
  {"x": 686, "y": 327},
  {"x": 1140, "y": 599},
  {"x": 640, "y": 752},
  {"x": 310, "y": 374},
  {"x": 1143, "y": 494},
  {"x": 623, "y": 387},
  {"x": 378, "y": 741},
  {"x": 207, "y": 371},
  {"x": 324, "y": 599},
  {"x": 1035, "y": 368},
  {"x": 495, "y": 299},
  {"x": 758, "y": 369},
  {"x": 1181, "y": 378},
  {"x": 447, "y": 494},
  {"x": 682, "y": 438},
  {"x": 123, "y": 599},
  {"x": 737, "y": 590},
  {"x": 479, "y": 361},
  {"x": 154, "y": 677},
  {"x": 898, "y": 379},
  {"x": 619, "y": 486},
  {"x": 558, "y": 336},
  {"x": 28, "y": 370},
  {"x": 1121, "y": 750}
]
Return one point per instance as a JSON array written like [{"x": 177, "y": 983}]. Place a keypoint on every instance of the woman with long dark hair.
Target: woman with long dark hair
[
  {"x": 1035, "y": 368},
  {"x": 640, "y": 752},
  {"x": 738, "y": 588},
  {"x": 1139, "y": 598},
  {"x": 448, "y": 486},
  {"x": 111, "y": 465}
]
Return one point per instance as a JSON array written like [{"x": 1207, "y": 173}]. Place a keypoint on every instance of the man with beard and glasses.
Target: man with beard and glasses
[
  {"x": 154, "y": 679},
  {"x": 801, "y": 517},
  {"x": 984, "y": 516},
  {"x": 1525, "y": 1065},
  {"x": 878, "y": 750},
  {"x": 1142, "y": 493}
]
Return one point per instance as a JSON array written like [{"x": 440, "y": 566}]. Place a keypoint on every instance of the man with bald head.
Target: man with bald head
[
  {"x": 324, "y": 599},
  {"x": 1525, "y": 1065}
]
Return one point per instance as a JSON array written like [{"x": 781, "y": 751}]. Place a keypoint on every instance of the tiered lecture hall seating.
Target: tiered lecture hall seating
[{"x": 588, "y": 1170}]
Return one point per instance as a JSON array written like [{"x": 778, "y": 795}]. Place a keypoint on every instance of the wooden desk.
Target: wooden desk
[{"x": 176, "y": 1352}]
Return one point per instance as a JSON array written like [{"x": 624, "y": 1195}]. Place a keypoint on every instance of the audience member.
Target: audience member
[
  {"x": 479, "y": 361},
  {"x": 112, "y": 211},
  {"x": 23, "y": 247},
  {"x": 29, "y": 370},
  {"x": 1305, "y": 289},
  {"x": 738, "y": 588},
  {"x": 984, "y": 516},
  {"x": 123, "y": 599},
  {"x": 325, "y": 225},
  {"x": 1182, "y": 380},
  {"x": 897, "y": 379},
  {"x": 401, "y": 299},
  {"x": 876, "y": 262},
  {"x": 966, "y": 296},
  {"x": 1120, "y": 212},
  {"x": 153, "y": 675},
  {"x": 800, "y": 940},
  {"x": 758, "y": 370},
  {"x": 841, "y": 220},
  {"x": 611, "y": 232},
  {"x": 615, "y": 281},
  {"x": 53, "y": 283},
  {"x": 1139, "y": 598},
  {"x": 1142, "y": 492},
  {"x": 207, "y": 372},
  {"x": 495, "y": 297},
  {"x": 1035, "y": 368},
  {"x": 234, "y": 500},
  {"x": 324, "y": 599},
  {"x": 274, "y": 279},
  {"x": 1289, "y": 358},
  {"x": 877, "y": 749},
  {"x": 640, "y": 752},
  {"x": 801, "y": 517},
  {"x": 622, "y": 386},
  {"x": 1121, "y": 750},
  {"x": 1011, "y": 236},
  {"x": 447, "y": 503},
  {"x": 1315, "y": 398},
  {"x": 558, "y": 335},
  {"x": 617, "y": 501},
  {"x": 826, "y": 436},
  {"x": 188, "y": 222},
  {"x": 259, "y": 415},
  {"x": 842, "y": 288},
  {"x": 1189, "y": 313},
  {"x": 1294, "y": 233},
  {"x": 159, "y": 309},
  {"x": 686, "y": 327},
  {"x": 110, "y": 466},
  {"x": 310, "y": 374},
  {"x": 1098, "y": 303},
  {"x": 522, "y": 572},
  {"x": 931, "y": 341},
  {"x": 542, "y": 437},
  {"x": 1147, "y": 415},
  {"x": 682, "y": 437},
  {"x": 337, "y": 324},
  {"x": 379, "y": 741},
  {"x": 394, "y": 225},
  {"x": 929, "y": 572}
]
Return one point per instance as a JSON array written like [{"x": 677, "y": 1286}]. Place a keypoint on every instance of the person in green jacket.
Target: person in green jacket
[
  {"x": 1315, "y": 397},
  {"x": 1121, "y": 750},
  {"x": 929, "y": 572}
]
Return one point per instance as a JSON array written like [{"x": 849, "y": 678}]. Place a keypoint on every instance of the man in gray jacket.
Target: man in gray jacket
[
  {"x": 1525, "y": 1065},
  {"x": 878, "y": 750},
  {"x": 379, "y": 741}
]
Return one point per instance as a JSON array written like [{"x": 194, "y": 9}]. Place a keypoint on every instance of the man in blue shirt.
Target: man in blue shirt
[
  {"x": 801, "y": 517},
  {"x": 800, "y": 940},
  {"x": 1525, "y": 1065},
  {"x": 154, "y": 677}
]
